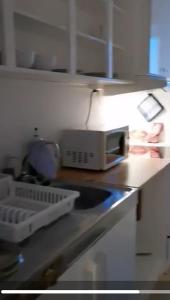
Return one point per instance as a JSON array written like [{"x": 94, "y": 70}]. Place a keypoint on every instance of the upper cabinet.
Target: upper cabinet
[
  {"x": 41, "y": 33},
  {"x": 87, "y": 41},
  {"x": 87, "y": 37},
  {"x": 159, "y": 38}
]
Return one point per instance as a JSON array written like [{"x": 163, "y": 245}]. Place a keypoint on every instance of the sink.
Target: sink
[{"x": 91, "y": 197}]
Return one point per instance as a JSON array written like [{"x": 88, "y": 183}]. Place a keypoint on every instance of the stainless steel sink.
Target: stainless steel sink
[{"x": 91, "y": 197}]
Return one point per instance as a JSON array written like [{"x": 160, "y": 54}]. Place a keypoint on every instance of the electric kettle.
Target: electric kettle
[{"x": 42, "y": 162}]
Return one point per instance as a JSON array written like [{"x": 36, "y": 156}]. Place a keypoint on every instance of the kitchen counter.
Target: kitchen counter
[
  {"x": 132, "y": 172},
  {"x": 62, "y": 242}
]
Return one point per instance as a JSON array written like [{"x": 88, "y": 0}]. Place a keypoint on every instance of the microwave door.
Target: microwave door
[{"x": 115, "y": 147}]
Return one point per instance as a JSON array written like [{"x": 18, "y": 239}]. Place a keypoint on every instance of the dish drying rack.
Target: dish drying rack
[{"x": 25, "y": 208}]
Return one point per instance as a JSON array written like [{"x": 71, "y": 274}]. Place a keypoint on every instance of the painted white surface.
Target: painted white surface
[
  {"x": 27, "y": 104},
  {"x": 111, "y": 258},
  {"x": 122, "y": 109}
]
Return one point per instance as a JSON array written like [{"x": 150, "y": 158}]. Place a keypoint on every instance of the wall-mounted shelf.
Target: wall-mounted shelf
[
  {"x": 108, "y": 86},
  {"x": 64, "y": 78},
  {"x": 139, "y": 83},
  {"x": 27, "y": 15},
  {"x": 98, "y": 40},
  {"x": 145, "y": 144},
  {"x": 91, "y": 38},
  {"x": 119, "y": 9}
]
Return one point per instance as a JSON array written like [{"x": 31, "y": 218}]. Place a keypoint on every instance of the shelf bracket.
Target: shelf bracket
[
  {"x": 72, "y": 37},
  {"x": 109, "y": 38},
  {"x": 8, "y": 33}
]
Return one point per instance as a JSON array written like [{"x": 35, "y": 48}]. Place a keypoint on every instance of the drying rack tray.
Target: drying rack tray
[{"x": 24, "y": 208}]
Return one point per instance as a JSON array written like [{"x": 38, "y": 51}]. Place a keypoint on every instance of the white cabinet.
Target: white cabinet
[
  {"x": 95, "y": 38},
  {"x": 95, "y": 43},
  {"x": 111, "y": 258},
  {"x": 82, "y": 34},
  {"x": 159, "y": 37},
  {"x": 95, "y": 30},
  {"x": 153, "y": 227}
]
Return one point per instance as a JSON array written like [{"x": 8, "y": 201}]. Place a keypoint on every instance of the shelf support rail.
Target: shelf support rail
[
  {"x": 109, "y": 38},
  {"x": 72, "y": 37},
  {"x": 8, "y": 33}
]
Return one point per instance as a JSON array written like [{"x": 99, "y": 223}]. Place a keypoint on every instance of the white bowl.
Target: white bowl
[
  {"x": 45, "y": 62},
  {"x": 25, "y": 58}
]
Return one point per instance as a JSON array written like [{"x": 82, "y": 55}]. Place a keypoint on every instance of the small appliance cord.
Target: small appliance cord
[{"x": 90, "y": 106}]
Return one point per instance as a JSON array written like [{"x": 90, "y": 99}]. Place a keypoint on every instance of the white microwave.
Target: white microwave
[{"x": 94, "y": 149}]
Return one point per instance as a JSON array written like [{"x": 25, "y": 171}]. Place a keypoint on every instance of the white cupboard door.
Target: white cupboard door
[
  {"x": 111, "y": 258},
  {"x": 115, "y": 251},
  {"x": 152, "y": 227},
  {"x": 159, "y": 39},
  {"x": 82, "y": 271}
]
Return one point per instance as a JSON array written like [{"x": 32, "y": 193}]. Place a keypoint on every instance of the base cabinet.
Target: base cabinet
[
  {"x": 152, "y": 223},
  {"x": 111, "y": 258},
  {"x": 153, "y": 227}
]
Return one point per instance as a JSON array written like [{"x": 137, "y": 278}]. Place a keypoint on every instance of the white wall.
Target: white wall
[
  {"x": 25, "y": 104},
  {"x": 122, "y": 109}
]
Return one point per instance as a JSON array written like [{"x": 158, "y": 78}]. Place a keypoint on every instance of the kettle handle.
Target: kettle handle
[{"x": 57, "y": 153}]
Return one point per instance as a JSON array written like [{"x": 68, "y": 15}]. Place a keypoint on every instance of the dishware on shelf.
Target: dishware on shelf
[
  {"x": 25, "y": 58},
  {"x": 45, "y": 62}
]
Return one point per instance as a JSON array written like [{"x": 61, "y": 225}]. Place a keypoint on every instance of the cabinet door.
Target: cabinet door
[
  {"x": 159, "y": 39},
  {"x": 112, "y": 257},
  {"x": 152, "y": 227},
  {"x": 115, "y": 252}
]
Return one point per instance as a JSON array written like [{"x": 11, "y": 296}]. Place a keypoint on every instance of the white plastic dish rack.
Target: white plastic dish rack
[{"x": 24, "y": 208}]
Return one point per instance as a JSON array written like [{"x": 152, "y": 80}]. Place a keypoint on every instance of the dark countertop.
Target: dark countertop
[{"x": 134, "y": 171}]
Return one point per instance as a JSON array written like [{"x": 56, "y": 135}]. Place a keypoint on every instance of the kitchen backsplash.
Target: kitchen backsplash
[
  {"x": 25, "y": 104},
  {"x": 122, "y": 109}
]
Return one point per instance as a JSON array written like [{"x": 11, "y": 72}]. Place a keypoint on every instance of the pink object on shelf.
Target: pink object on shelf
[
  {"x": 155, "y": 153},
  {"x": 154, "y": 134},
  {"x": 138, "y": 150},
  {"x": 138, "y": 135}
]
